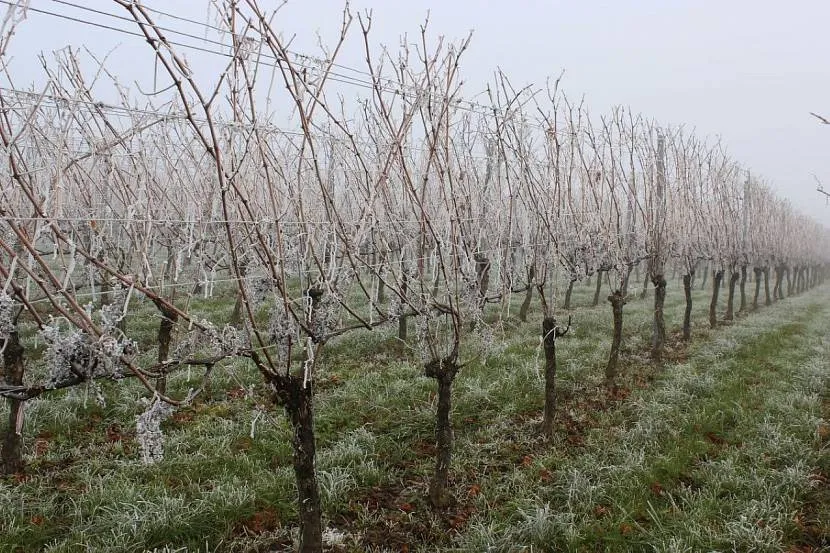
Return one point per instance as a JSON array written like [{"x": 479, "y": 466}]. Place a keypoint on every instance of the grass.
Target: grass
[{"x": 724, "y": 448}]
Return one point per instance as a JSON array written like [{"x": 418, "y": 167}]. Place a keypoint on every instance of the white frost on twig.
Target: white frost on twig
[
  {"x": 6, "y": 315},
  {"x": 148, "y": 430}
]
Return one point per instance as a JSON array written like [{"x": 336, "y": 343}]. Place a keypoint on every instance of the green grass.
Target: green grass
[{"x": 723, "y": 448}]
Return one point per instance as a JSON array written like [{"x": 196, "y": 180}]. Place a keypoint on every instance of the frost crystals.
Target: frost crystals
[
  {"x": 6, "y": 315},
  {"x": 148, "y": 432}
]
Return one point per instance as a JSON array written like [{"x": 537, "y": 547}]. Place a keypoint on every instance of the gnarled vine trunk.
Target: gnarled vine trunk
[
  {"x": 167, "y": 323},
  {"x": 758, "y": 273},
  {"x": 444, "y": 372},
  {"x": 297, "y": 400},
  {"x": 11, "y": 454},
  {"x": 717, "y": 277},
  {"x": 742, "y": 307},
  {"x": 617, "y": 301},
  {"x": 777, "y": 294},
  {"x": 549, "y": 340},
  {"x": 734, "y": 276},
  {"x": 550, "y": 332},
  {"x": 687, "y": 314},
  {"x": 658, "y": 337}
]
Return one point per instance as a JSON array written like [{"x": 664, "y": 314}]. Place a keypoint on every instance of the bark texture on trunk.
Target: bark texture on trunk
[
  {"x": 617, "y": 301},
  {"x": 297, "y": 401},
  {"x": 658, "y": 336},
  {"x": 11, "y": 455},
  {"x": 550, "y": 332},
  {"x": 444, "y": 372},
  {"x": 776, "y": 290},
  {"x": 717, "y": 277},
  {"x": 167, "y": 323},
  {"x": 687, "y": 314},
  {"x": 766, "y": 286},
  {"x": 742, "y": 307},
  {"x": 734, "y": 276},
  {"x": 549, "y": 340}
]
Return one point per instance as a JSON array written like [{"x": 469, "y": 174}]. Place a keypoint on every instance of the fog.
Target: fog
[{"x": 749, "y": 72}]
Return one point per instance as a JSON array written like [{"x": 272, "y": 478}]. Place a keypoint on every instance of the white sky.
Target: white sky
[{"x": 749, "y": 71}]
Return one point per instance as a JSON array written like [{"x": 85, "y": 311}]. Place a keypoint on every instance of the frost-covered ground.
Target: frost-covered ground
[{"x": 724, "y": 448}]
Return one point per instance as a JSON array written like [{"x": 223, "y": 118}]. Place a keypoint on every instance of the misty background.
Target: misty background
[{"x": 748, "y": 72}]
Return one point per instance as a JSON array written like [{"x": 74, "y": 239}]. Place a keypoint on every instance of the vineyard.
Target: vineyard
[{"x": 297, "y": 305}]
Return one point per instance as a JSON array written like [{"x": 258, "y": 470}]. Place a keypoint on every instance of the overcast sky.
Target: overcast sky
[{"x": 749, "y": 71}]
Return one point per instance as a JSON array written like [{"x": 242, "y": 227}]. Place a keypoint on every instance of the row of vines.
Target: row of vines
[{"x": 410, "y": 207}]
